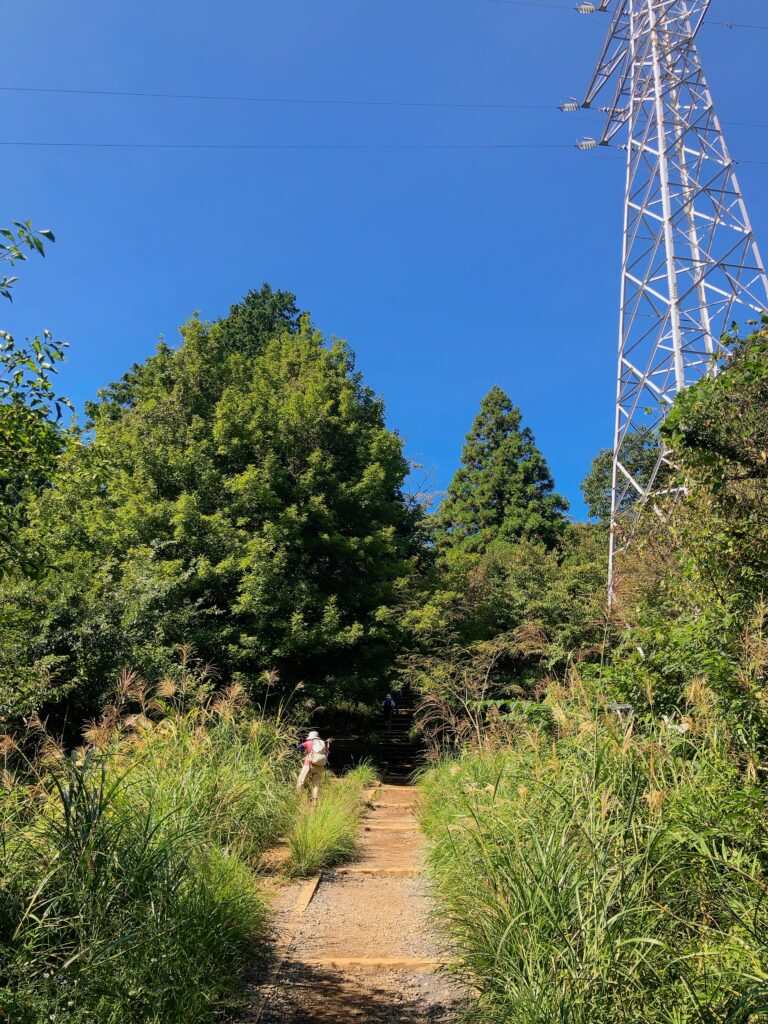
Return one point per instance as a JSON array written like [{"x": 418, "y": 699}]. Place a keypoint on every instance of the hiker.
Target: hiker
[
  {"x": 315, "y": 753},
  {"x": 389, "y": 708}
]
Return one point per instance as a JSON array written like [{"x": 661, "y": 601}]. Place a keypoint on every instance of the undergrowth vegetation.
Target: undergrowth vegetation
[
  {"x": 326, "y": 835},
  {"x": 597, "y": 873},
  {"x": 127, "y": 891}
]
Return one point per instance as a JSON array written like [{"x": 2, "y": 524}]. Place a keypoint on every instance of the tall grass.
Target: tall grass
[
  {"x": 326, "y": 834},
  {"x": 601, "y": 877},
  {"x": 126, "y": 889}
]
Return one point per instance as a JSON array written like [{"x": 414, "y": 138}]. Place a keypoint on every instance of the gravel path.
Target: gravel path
[{"x": 364, "y": 949}]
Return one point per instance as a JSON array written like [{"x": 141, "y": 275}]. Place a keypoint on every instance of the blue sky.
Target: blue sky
[{"x": 448, "y": 271}]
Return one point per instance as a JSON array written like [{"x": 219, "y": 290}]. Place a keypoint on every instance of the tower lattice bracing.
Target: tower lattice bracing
[{"x": 690, "y": 263}]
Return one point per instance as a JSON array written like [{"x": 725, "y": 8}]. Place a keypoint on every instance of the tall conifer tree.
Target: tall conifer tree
[{"x": 503, "y": 489}]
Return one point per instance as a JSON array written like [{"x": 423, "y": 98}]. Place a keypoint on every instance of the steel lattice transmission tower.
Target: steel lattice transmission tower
[{"x": 690, "y": 263}]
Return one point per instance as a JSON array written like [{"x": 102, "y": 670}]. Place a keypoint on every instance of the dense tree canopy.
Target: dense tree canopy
[
  {"x": 241, "y": 494},
  {"x": 503, "y": 490},
  {"x": 718, "y": 430},
  {"x": 512, "y": 576},
  {"x": 691, "y": 588}
]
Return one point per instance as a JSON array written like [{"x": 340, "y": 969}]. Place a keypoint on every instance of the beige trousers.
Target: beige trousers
[{"x": 314, "y": 773}]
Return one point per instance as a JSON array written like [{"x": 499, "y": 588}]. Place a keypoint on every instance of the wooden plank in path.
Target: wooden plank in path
[
  {"x": 374, "y": 963},
  {"x": 381, "y": 872}
]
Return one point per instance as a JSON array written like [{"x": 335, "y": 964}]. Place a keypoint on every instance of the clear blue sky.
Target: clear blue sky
[{"x": 448, "y": 271}]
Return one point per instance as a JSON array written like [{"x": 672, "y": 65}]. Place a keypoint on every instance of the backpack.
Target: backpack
[{"x": 318, "y": 755}]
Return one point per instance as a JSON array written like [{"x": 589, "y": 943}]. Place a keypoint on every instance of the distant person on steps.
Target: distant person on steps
[
  {"x": 388, "y": 708},
  {"x": 315, "y": 753}
]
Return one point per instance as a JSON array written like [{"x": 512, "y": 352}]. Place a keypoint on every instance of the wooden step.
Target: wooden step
[
  {"x": 391, "y": 828},
  {"x": 380, "y": 872},
  {"x": 373, "y": 963}
]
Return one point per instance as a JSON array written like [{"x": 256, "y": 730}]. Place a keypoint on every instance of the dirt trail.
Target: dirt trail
[{"x": 362, "y": 948}]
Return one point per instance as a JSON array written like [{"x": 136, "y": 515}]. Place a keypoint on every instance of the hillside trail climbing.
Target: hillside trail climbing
[{"x": 357, "y": 944}]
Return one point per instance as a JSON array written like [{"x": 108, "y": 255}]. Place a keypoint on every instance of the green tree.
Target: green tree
[
  {"x": 596, "y": 486},
  {"x": 30, "y": 409},
  {"x": 640, "y": 455},
  {"x": 503, "y": 491},
  {"x": 718, "y": 432},
  {"x": 241, "y": 494},
  {"x": 514, "y": 574},
  {"x": 692, "y": 585}
]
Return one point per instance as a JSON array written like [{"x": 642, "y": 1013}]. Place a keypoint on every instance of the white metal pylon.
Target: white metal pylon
[{"x": 690, "y": 263}]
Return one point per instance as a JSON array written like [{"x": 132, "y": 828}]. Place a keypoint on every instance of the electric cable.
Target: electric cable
[
  {"x": 736, "y": 24},
  {"x": 414, "y": 104},
  {"x": 290, "y": 146},
  {"x": 317, "y": 101},
  {"x": 532, "y": 3},
  {"x": 214, "y": 97},
  {"x": 597, "y": 10}
]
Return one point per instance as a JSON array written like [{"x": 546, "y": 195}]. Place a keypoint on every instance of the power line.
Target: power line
[
  {"x": 736, "y": 24},
  {"x": 743, "y": 124},
  {"x": 572, "y": 7},
  {"x": 426, "y": 104},
  {"x": 272, "y": 99},
  {"x": 309, "y": 100},
  {"x": 292, "y": 146},
  {"x": 533, "y": 3}
]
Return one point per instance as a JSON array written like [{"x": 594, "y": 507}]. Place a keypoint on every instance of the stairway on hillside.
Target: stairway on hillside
[
  {"x": 359, "y": 944},
  {"x": 392, "y": 750},
  {"x": 396, "y": 752}
]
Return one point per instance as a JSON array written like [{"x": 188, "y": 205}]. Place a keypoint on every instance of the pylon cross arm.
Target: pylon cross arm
[
  {"x": 690, "y": 261},
  {"x": 626, "y": 49}
]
